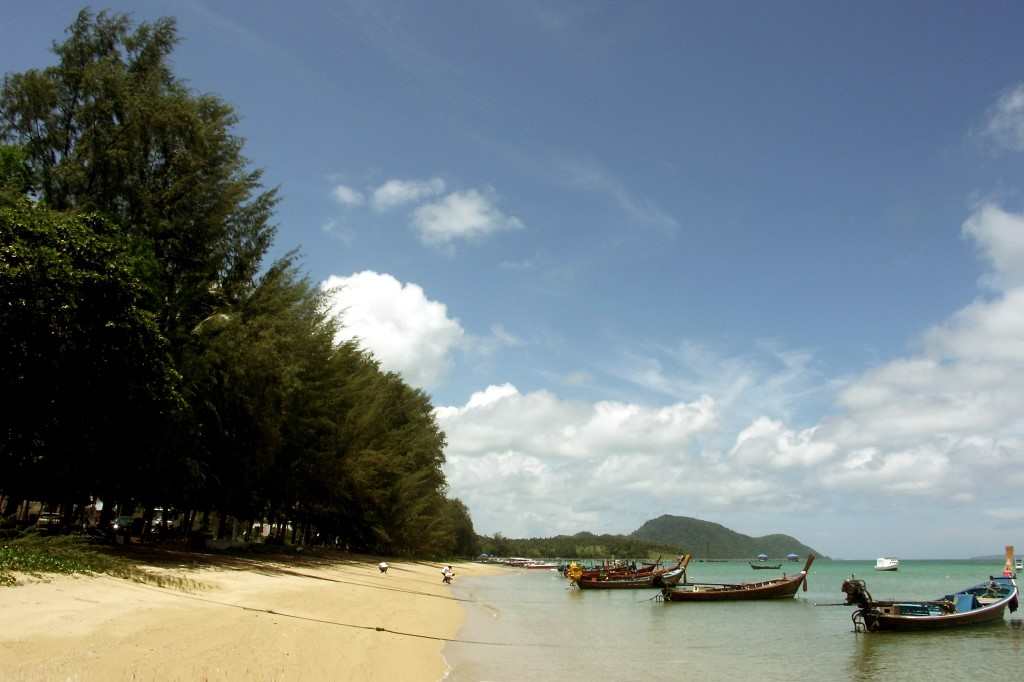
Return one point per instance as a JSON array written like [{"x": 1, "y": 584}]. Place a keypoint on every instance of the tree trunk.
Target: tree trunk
[
  {"x": 222, "y": 524},
  {"x": 147, "y": 522}
]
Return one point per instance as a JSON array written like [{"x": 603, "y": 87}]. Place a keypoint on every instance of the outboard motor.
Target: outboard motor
[{"x": 856, "y": 593}]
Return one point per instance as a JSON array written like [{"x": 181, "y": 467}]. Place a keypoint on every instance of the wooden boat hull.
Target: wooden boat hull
[
  {"x": 988, "y": 614},
  {"x": 783, "y": 588},
  {"x": 766, "y": 567},
  {"x": 779, "y": 588},
  {"x": 660, "y": 580},
  {"x": 994, "y": 597}
]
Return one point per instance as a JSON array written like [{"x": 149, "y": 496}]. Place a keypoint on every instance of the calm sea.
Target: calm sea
[{"x": 549, "y": 632}]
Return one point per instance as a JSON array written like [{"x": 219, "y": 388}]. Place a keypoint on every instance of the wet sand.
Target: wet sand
[{"x": 221, "y": 627}]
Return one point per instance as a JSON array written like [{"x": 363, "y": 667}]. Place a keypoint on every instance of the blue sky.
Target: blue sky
[{"x": 752, "y": 264}]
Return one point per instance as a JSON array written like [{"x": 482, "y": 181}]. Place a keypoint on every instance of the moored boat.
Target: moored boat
[
  {"x": 758, "y": 566},
  {"x": 983, "y": 603},
  {"x": 651, "y": 580},
  {"x": 659, "y": 577},
  {"x": 778, "y": 588},
  {"x": 887, "y": 564}
]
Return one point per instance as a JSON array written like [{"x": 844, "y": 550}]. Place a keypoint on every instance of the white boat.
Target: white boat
[
  {"x": 885, "y": 564},
  {"x": 1018, "y": 565}
]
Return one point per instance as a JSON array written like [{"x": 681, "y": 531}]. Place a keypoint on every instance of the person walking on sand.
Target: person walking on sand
[
  {"x": 383, "y": 566},
  {"x": 447, "y": 574}
]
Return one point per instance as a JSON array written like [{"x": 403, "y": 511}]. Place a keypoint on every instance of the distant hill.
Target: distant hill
[
  {"x": 578, "y": 546},
  {"x": 707, "y": 540}
]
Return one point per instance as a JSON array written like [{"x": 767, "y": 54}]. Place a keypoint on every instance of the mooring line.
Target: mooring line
[{"x": 374, "y": 628}]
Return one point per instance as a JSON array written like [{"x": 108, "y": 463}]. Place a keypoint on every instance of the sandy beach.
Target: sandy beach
[{"x": 221, "y": 626}]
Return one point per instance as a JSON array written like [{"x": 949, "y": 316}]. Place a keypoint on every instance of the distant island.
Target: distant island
[
  {"x": 666, "y": 535},
  {"x": 707, "y": 540}
]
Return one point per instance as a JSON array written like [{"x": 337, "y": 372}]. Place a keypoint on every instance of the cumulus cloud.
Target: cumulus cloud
[
  {"x": 407, "y": 332},
  {"x": 347, "y": 196},
  {"x": 399, "y": 192},
  {"x": 1004, "y": 124},
  {"x": 768, "y": 442},
  {"x": 1000, "y": 239},
  {"x": 462, "y": 215},
  {"x": 931, "y": 433},
  {"x": 943, "y": 424},
  {"x": 561, "y": 459}
]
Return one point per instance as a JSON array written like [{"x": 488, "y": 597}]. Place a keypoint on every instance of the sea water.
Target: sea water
[{"x": 529, "y": 625}]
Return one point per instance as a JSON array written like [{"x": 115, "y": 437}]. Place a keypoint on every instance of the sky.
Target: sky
[{"x": 761, "y": 265}]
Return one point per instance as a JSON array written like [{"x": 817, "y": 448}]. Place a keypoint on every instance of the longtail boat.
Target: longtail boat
[
  {"x": 623, "y": 570},
  {"x": 982, "y": 603},
  {"x": 757, "y": 566},
  {"x": 779, "y": 588},
  {"x": 660, "y": 577}
]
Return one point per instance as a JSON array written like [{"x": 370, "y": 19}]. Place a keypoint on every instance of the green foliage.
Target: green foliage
[
  {"x": 109, "y": 128},
  {"x": 579, "y": 546},
  {"x": 153, "y": 363},
  {"x": 15, "y": 175},
  {"x": 85, "y": 359},
  {"x": 713, "y": 541},
  {"x": 35, "y": 555}
]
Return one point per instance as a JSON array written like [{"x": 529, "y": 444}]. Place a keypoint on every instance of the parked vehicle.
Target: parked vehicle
[
  {"x": 50, "y": 522},
  {"x": 122, "y": 528}
]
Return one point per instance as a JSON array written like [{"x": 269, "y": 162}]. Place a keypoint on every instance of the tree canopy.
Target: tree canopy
[{"x": 162, "y": 362}]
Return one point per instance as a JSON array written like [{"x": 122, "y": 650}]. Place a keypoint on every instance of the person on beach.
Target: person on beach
[
  {"x": 447, "y": 574},
  {"x": 383, "y": 566}
]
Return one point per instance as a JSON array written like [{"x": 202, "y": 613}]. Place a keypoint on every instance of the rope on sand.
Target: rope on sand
[{"x": 324, "y": 621}]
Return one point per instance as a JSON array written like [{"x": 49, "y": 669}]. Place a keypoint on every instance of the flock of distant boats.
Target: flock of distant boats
[{"x": 982, "y": 603}]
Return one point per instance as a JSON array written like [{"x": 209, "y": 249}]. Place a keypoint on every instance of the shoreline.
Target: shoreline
[{"x": 244, "y": 618}]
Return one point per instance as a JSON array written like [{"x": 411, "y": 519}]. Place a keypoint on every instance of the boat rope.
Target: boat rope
[
  {"x": 299, "y": 574},
  {"x": 355, "y": 626}
]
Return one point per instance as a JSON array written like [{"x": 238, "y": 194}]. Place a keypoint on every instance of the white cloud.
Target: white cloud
[
  {"x": 945, "y": 423},
  {"x": 461, "y": 215},
  {"x": 578, "y": 378},
  {"x": 504, "y": 337},
  {"x": 407, "y": 332},
  {"x": 510, "y": 451},
  {"x": 398, "y": 192},
  {"x": 1004, "y": 124},
  {"x": 346, "y": 196},
  {"x": 921, "y": 439},
  {"x": 768, "y": 442},
  {"x": 593, "y": 177},
  {"x": 1000, "y": 238}
]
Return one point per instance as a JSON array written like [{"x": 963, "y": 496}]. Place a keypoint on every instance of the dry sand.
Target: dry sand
[{"x": 103, "y": 628}]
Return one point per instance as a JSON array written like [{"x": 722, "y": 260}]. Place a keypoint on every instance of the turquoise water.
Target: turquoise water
[{"x": 549, "y": 632}]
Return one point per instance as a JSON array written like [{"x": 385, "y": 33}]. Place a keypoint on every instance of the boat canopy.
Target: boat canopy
[
  {"x": 792, "y": 555},
  {"x": 762, "y": 557}
]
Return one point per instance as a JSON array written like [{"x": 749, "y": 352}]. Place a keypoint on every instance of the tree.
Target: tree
[
  {"x": 157, "y": 363},
  {"x": 110, "y": 129},
  {"x": 84, "y": 362},
  {"x": 15, "y": 176}
]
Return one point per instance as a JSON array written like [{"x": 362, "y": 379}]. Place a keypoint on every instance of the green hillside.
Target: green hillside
[
  {"x": 578, "y": 546},
  {"x": 707, "y": 540}
]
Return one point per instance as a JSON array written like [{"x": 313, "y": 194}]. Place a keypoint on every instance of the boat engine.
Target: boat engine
[{"x": 856, "y": 593}]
